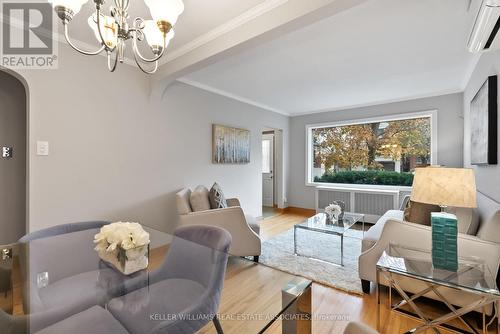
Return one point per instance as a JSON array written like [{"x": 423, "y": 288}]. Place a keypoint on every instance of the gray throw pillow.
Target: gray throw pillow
[{"x": 217, "y": 198}]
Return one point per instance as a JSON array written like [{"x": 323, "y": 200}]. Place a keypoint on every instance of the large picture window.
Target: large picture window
[{"x": 377, "y": 151}]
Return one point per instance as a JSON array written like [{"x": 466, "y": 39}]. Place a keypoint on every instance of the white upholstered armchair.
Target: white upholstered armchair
[
  {"x": 244, "y": 229},
  {"x": 391, "y": 228}
]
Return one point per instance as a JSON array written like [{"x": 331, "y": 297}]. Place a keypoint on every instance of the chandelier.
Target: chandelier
[{"x": 114, "y": 30}]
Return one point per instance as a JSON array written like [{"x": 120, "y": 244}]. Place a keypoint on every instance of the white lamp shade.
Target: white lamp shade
[
  {"x": 154, "y": 36},
  {"x": 74, "y": 5},
  {"x": 165, "y": 10},
  {"x": 109, "y": 29}
]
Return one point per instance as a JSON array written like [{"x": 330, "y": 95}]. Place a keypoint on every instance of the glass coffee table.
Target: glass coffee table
[
  {"x": 399, "y": 266},
  {"x": 321, "y": 224}
]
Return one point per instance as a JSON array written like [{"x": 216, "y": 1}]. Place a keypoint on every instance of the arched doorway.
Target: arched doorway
[{"x": 13, "y": 158}]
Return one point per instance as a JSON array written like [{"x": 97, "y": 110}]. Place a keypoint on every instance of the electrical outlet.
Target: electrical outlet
[
  {"x": 42, "y": 148},
  {"x": 42, "y": 279}
]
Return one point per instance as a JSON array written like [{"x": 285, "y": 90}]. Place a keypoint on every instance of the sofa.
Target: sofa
[
  {"x": 244, "y": 229},
  {"x": 479, "y": 238}
]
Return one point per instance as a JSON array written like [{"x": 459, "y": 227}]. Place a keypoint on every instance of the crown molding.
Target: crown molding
[
  {"x": 249, "y": 15},
  {"x": 380, "y": 102},
  {"x": 224, "y": 93}
]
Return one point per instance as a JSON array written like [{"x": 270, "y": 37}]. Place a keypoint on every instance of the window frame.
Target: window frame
[{"x": 432, "y": 114}]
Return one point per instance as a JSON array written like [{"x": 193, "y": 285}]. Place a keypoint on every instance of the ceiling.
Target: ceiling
[
  {"x": 380, "y": 51},
  {"x": 199, "y": 17}
]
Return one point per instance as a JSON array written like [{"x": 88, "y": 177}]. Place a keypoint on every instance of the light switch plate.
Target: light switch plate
[{"x": 42, "y": 148}]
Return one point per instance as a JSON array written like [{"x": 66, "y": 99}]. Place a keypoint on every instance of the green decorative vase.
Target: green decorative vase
[{"x": 444, "y": 241}]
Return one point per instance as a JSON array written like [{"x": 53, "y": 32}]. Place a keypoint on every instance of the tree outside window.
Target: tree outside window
[{"x": 384, "y": 152}]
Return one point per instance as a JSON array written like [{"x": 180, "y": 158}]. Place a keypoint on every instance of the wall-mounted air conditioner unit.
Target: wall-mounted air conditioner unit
[{"x": 485, "y": 36}]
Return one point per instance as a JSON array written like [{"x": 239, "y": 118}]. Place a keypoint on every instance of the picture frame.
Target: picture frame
[
  {"x": 484, "y": 124},
  {"x": 230, "y": 145}
]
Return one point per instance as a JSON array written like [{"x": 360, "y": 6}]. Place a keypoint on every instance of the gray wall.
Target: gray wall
[
  {"x": 487, "y": 177},
  {"x": 12, "y": 171},
  {"x": 189, "y": 114},
  {"x": 116, "y": 153},
  {"x": 450, "y": 136}
]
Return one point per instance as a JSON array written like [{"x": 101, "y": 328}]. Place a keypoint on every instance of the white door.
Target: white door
[{"x": 267, "y": 170}]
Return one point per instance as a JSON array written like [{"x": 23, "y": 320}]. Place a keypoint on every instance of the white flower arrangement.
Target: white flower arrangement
[
  {"x": 124, "y": 245},
  {"x": 333, "y": 211}
]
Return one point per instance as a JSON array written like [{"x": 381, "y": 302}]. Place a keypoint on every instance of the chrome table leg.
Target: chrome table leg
[
  {"x": 342, "y": 250},
  {"x": 378, "y": 299}
]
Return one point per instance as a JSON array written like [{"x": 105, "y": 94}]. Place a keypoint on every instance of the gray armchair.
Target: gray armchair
[
  {"x": 186, "y": 290},
  {"x": 244, "y": 229}
]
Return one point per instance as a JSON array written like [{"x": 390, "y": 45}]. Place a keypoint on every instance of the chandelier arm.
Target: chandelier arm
[
  {"x": 87, "y": 53},
  {"x": 144, "y": 70},
  {"x": 98, "y": 15},
  {"x": 112, "y": 67},
  {"x": 137, "y": 53}
]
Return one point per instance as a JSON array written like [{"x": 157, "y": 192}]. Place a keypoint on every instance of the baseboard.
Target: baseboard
[{"x": 300, "y": 211}]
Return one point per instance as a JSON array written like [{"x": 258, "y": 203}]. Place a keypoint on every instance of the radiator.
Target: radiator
[{"x": 371, "y": 202}]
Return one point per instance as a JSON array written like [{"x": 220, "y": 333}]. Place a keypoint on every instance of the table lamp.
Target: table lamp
[{"x": 445, "y": 187}]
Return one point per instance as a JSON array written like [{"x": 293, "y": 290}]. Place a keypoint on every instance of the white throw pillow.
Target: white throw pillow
[
  {"x": 468, "y": 219},
  {"x": 490, "y": 228},
  {"x": 199, "y": 199}
]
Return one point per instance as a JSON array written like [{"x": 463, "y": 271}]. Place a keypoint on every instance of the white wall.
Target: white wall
[
  {"x": 487, "y": 177},
  {"x": 116, "y": 154},
  {"x": 450, "y": 136}
]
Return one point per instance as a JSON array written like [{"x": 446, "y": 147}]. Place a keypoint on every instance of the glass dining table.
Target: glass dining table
[{"x": 49, "y": 280}]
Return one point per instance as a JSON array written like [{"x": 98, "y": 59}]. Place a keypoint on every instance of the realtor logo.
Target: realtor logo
[{"x": 28, "y": 36}]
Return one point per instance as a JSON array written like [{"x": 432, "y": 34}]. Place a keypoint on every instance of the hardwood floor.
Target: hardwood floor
[{"x": 344, "y": 307}]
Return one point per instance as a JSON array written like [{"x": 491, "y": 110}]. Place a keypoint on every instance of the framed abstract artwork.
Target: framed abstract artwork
[
  {"x": 483, "y": 124},
  {"x": 230, "y": 145}
]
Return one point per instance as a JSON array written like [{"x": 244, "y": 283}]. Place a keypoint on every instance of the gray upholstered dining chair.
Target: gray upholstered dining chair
[
  {"x": 95, "y": 320},
  {"x": 62, "y": 229},
  {"x": 61, "y": 269},
  {"x": 359, "y": 328},
  {"x": 185, "y": 290},
  {"x": 50, "y": 322},
  {"x": 66, "y": 256}
]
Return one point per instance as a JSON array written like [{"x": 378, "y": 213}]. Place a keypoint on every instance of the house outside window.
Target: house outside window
[{"x": 378, "y": 151}]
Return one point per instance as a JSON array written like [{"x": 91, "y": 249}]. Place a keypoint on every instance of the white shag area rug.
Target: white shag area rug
[{"x": 278, "y": 253}]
